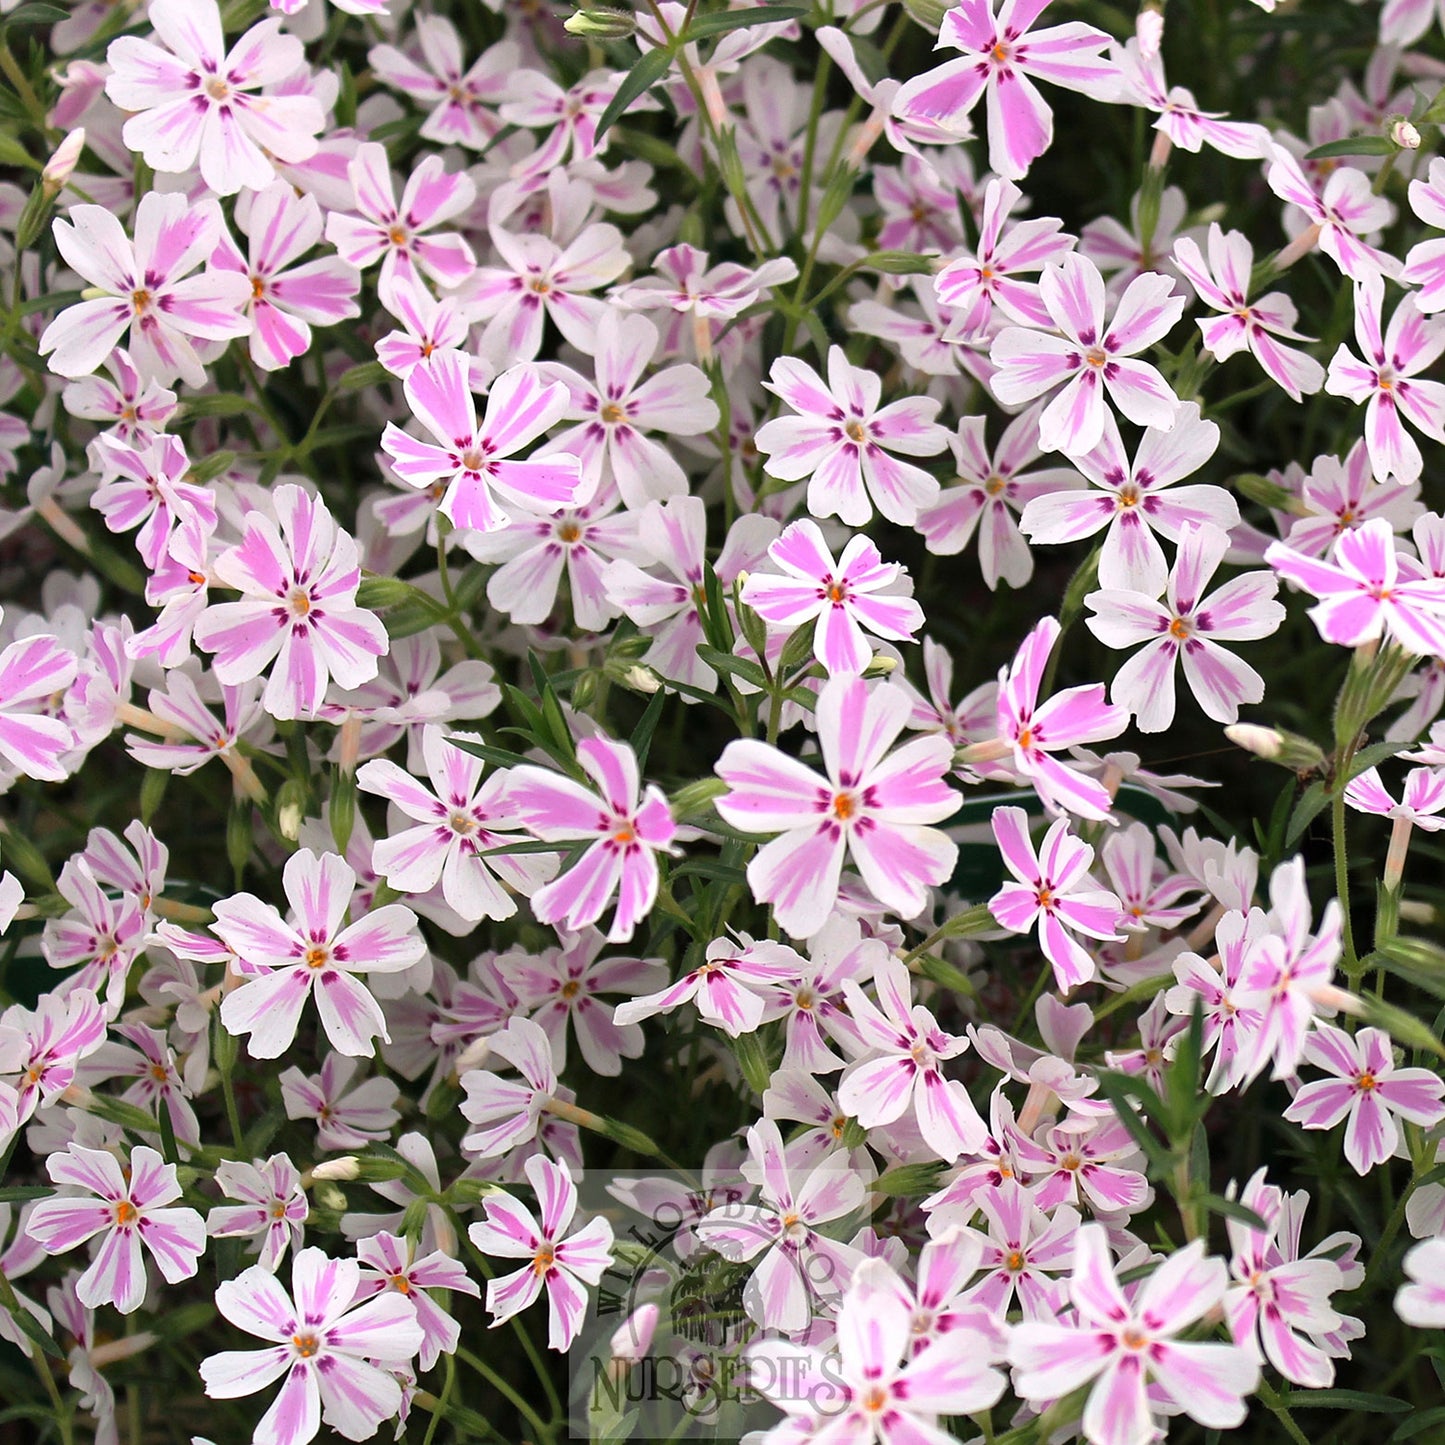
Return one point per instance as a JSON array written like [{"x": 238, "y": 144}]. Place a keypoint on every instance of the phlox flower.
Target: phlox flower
[
  {"x": 289, "y": 962},
  {"x": 389, "y": 1264},
  {"x": 1229, "y": 1022},
  {"x": 617, "y": 407},
  {"x": 1223, "y": 285},
  {"x": 460, "y": 819},
  {"x": 812, "y": 999},
  {"x": 963, "y": 722},
  {"x": 799, "y": 1265},
  {"x": 569, "y": 117},
  {"x": 1422, "y": 1302},
  {"x": 1031, "y": 732},
  {"x": 1368, "y": 1090},
  {"x": 146, "y": 1059},
  {"x": 147, "y": 291},
  {"x": 1338, "y": 496},
  {"x": 876, "y": 1387},
  {"x": 732, "y": 988},
  {"x": 186, "y": 716},
  {"x": 143, "y": 484},
  {"x": 989, "y": 489},
  {"x": 559, "y": 1259},
  {"x": 41, "y": 1048},
  {"x": 1366, "y": 590},
  {"x": 333, "y": 1351},
  {"x": 1388, "y": 380},
  {"x": 346, "y": 1117},
  {"x": 32, "y": 671},
  {"x": 272, "y": 1211},
  {"x": 539, "y": 278},
  {"x": 1422, "y": 801},
  {"x": 1184, "y": 628},
  {"x": 132, "y": 1208},
  {"x": 1078, "y": 1165},
  {"x": 1141, "y": 498},
  {"x": 17, "y": 1258},
  {"x": 427, "y": 325},
  {"x": 901, "y": 1072},
  {"x": 859, "y": 591},
  {"x": 1022, "y": 1253},
  {"x": 1425, "y": 262},
  {"x": 100, "y": 936},
  {"x": 563, "y": 985},
  {"x": 1128, "y": 1346},
  {"x": 400, "y": 234},
  {"x": 1344, "y": 211},
  {"x": 868, "y": 804},
  {"x": 1053, "y": 890},
  {"x": 843, "y": 440},
  {"x": 287, "y": 300},
  {"x": 298, "y": 577},
  {"x": 624, "y": 826},
  {"x": 1280, "y": 1304},
  {"x": 197, "y": 101},
  {"x": 463, "y": 98},
  {"x": 1089, "y": 357},
  {"x": 1002, "y": 55},
  {"x": 508, "y": 1111},
  {"x": 477, "y": 460},
  {"x": 135, "y": 407}
]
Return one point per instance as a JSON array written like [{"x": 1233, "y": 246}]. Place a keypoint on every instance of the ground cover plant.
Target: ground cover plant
[{"x": 719, "y": 721}]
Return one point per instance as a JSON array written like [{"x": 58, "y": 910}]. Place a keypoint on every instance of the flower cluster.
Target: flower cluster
[{"x": 577, "y": 582}]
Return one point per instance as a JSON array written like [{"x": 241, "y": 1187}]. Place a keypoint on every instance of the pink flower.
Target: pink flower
[
  {"x": 1421, "y": 803},
  {"x": 298, "y": 608},
  {"x": 539, "y": 278},
  {"x": 1366, "y": 590},
  {"x": 476, "y": 461},
  {"x": 463, "y": 99},
  {"x": 45, "y": 1045},
  {"x": 560, "y": 1261},
  {"x": 1001, "y": 54},
  {"x": 1032, "y": 732},
  {"x": 1368, "y": 1090},
  {"x": 618, "y": 407},
  {"x": 1280, "y": 1308},
  {"x": 868, "y": 804},
  {"x": 1223, "y": 285},
  {"x": 1183, "y": 628},
  {"x": 564, "y": 985},
  {"x": 1136, "y": 503},
  {"x": 799, "y": 1266},
  {"x": 284, "y": 304},
  {"x": 33, "y": 670},
  {"x": 989, "y": 489},
  {"x": 135, "y": 407},
  {"x": 346, "y": 1118},
  {"x": 461, "y": 819},
  {"x": 1344, "y": 210},
  {"x": 1388, "y": 380},
  {"x": 272, "y": 1212},
  {"x": 509, "y": 1111},
  {"x": 332, "y": 1355},
  {"x": 973, "y": 285},
  {"x": 197, "y": 99},
  {"x": 289, "y": 962},
  {"x": 841, "y": 598},
  {"x": 398, "y": 235},
  {"x": 1127, "y": 1346},
  {"x": 129, "y": 1210},
  {"x": 146, "y": 289},
  {"x": 388, "y": 1264},
  {"x": 1422, "y": 1302},
  {"x": 878, "y": 1386},
  {"x": 1230, "y": 1024},
  {"x": 842, "y": 440},
  {"x": 1024, "y": 1249},
  {"x": 1053, "y": 890},
  {"x": 732, "y": 988},
  {"x": 902, "y": 1070},
  {"x": 624, "y": 827},
  {"x": 1089, "y": 358},
  {"x": 1425, "y": 262},
  {"x": 143, "y": 484}
]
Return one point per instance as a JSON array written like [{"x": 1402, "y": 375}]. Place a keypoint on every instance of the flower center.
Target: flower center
[
  {"x": 307, "y": 1345},
  {"x": 994, "y": 485},
  {"x": 624, "y": 835},
  {"x": 125, "y": 1213},
  {"x": 299, "y": 601},
  {"x": 569, "y": 532},
  {"x": 1096, "y": 357},
  {"x": 1015, "y": 1261},
  {"x": 1179, "y": 629},
  {"x": 400, "y": 1283},
  {"x": 1133, "y": 1338},
  {"x": 873, "y": 1399},
  {"x": 462, "y": 823},
  {"x": 570, "y": 989},
  {"x": 543, "y": 1260},
  {"x": 472, "y": 460},
  {"x": 612, "y": 413},
  {"x": 397, "y": 235},
  {"x": 159, "y": 1073},
  {"x": 835, "y": 592},
  {"x": 258, "y": 288},
  {"x": 278, "y": 1210},
  {"x": 140, "y": 301},
  {"x": 1025, "y": 739},
  {"x": 317, "y": 956},
  {"x": 855, "y": 431},
  {"x": 1128, "y": 495},
  {"x": 1366, "y": 1082},
  {"x": 217, "y": 89},
  {"x": 845, "y": 805}
]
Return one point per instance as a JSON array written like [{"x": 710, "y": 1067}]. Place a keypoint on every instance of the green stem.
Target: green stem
[
  {"x": 445, "y": 1397},
  {"x": 1351, "y": 961},
  {"x": 1281, "y": 1412},
  {"x": 23, "y": 89},
  {"x": 542, "y": 1430},
  {"x": 13, "y": 1307}
]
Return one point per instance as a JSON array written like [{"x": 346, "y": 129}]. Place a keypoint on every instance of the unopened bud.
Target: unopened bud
[
  {"x": 1149, "y": 32},
  {"x": 600, "y": 23},
  {"x": 641, "y": 679},
  {"x": 61, "y": 165},
  {"x": 1405, "y": 135},
  {"x": 880, "y": 665},
  {"x": 909, "y": 1179},
  {"x": 927, "y": 13},
  {"x": 1265, "y": 492},
  {"x": 472, "y": 1057},
  {"x": 339, "y": 1171},
  {"x": 632, "y": 1339},
  {"x": 1274, "y": 745}
]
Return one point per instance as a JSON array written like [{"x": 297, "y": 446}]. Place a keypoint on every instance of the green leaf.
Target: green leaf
[
  {"x": 637, "y": 82},
  {"x": 704, "y": 26},
  {"x": 1231, "y": 1209},
  {"x": 23, "y": 1193},
  {"x": 1344, "y": 1400},
  {"x": 207, "y": 469},
  {"x": 36, "y": 15},
  {"x": 221, "y": 404},
  {"x": 497, "y": 757},
  {"x": 1418, "y": 1424},
  {"x": 369, "y": 373},
  {"x": 1353, "y": 145},
  {"x": 730, "y": 662},
  {"x": 1313, "y": 801},
  {"x": 647, "y": 725},
  {"x": 1117, "y": 1088},
  {"x": 897, "y": 263}
]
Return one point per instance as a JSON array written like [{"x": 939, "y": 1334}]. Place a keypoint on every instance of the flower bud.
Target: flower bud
[
  {"x": 632, "y": 1339},
  {"x": 1289, "y": 750},
  {"x": 472, "y": 1057},
  {"x": 880, "y": 665},
  {"x": 641, "y": 679},
  {"x": 928, "y": 13},
  {"x": 1149, "y": 31},
  {"x": 339, "y": 1171},
  {"x": 1405, "y": 135},
  {"x": 61, "y": 165},
  {"x": 600, "y": 23}
]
